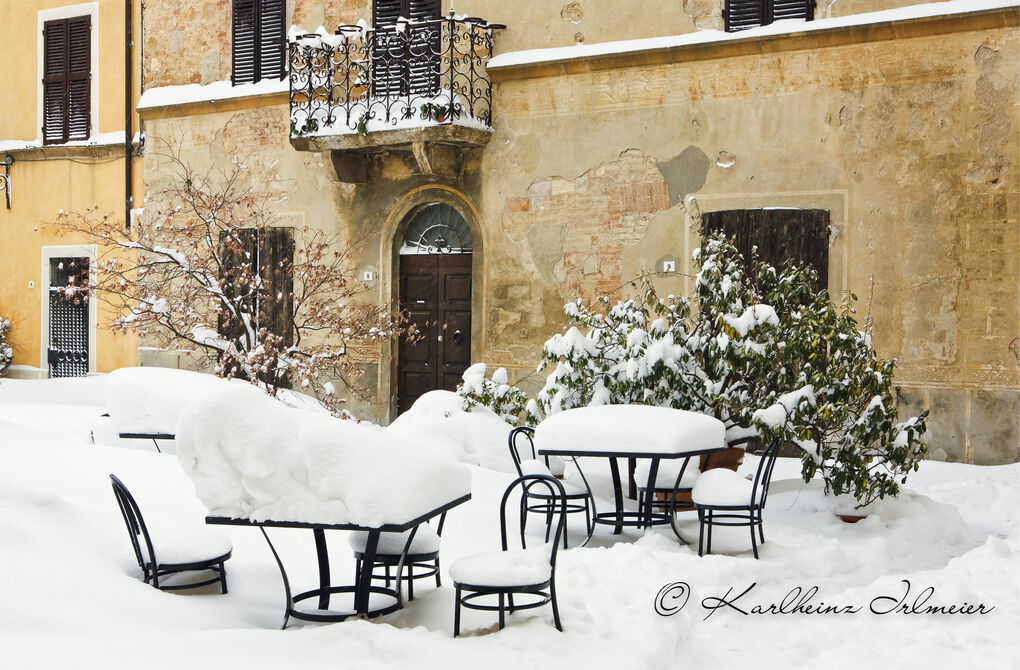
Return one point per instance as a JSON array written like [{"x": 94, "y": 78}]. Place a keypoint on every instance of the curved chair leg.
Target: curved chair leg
[
  {"x": 502, "y": 612},
  {"x": 754, "y": 537},
  {"x": 761, "y": 527},
  {"x": 439, "y": 580},
  {"x": 555, "y": 606},
  {"x": 456, "y": 613},
  {"x": 701, "y": 532},
  {"x": 223, "y": 578},
  {"x": 708, "y": 542}
]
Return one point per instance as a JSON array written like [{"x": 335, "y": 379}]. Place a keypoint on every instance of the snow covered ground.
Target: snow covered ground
[{"x": 71, "y": 597}]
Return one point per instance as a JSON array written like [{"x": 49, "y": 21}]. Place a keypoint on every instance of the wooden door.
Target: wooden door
[{"x": 435, "y": 290}]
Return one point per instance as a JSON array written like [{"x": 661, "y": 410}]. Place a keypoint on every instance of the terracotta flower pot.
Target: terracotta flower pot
[{"x": 850, "y": 518}]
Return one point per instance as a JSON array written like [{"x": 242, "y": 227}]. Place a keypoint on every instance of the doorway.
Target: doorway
[
  {"x": 67, "y": 353},
  {"x": 435, "y": 259}
]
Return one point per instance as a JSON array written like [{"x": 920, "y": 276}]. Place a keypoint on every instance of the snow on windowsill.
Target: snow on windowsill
[
  {"x": 167, "y": 96},
  {"x": 96, "y": 140},
  {"x": 785, "y": 27}
]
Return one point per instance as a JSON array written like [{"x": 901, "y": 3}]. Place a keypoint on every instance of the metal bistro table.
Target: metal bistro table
[
  {"x": 627, "y": 444},
  {"x": 363, "y": 589}
]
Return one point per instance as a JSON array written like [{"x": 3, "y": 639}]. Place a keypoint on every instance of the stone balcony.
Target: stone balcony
[{"x": 417, "y": 87}]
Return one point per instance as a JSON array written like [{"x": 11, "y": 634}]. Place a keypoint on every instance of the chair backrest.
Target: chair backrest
[
  {"x": 522, "y": 438},
  {"x": 763, "y": 474},
  {"x": 134, "y": 522},
  {"x": 557, "y": 497}
]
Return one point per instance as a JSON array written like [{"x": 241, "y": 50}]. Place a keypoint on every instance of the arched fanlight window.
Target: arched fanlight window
[{"x": 437, "y": 229}]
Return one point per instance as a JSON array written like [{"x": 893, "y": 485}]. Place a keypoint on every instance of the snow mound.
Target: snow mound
[
  {"x": 640, "y": 428},
  {"x": 439, "y": 423},
  {"x": 151, "y": 400},
  {"x": 251, "y": 457}
]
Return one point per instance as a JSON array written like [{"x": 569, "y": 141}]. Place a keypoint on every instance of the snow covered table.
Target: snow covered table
[
  {"x": 630, "y": 431},
  {"x": 391, "y": 599},
  {"x": 256, "y": 462}
]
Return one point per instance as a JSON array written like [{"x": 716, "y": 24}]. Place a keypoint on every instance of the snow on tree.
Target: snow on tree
[
  {"x": 505, "y": 400},
  {"x": 207, "y": 270},
  {"x": 6, "y": 352}
]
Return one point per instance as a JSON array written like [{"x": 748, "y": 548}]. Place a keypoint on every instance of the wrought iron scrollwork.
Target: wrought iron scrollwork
[
  {"x": 410, "y": 74},
  {"x": 438, "y": 229}
]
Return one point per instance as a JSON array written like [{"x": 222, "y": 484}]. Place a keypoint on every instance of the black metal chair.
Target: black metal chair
[
  {"x": 421, "y": 562},
  {"x": 724, "y": 498},
  {"x": 518, "y": 572},
  {"x": 674, "y": 476},
  {"x": 538, "y": 502},
  {"x": 173, "y": 557}
]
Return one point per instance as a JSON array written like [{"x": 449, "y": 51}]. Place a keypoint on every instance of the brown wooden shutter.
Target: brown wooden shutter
[
  {"x": 244, "y": 42},
  {"x": 272, "y": 42},
  {"x": 779, "y": 234},
  {"x": 237, "y": 256},
  {"x": 791, "y": 9},
  {"x": 259, "y": 28},
  {"x": 744, "y": 14},
  {"x": 79, "y": 64},
  {"x": 386, "y": 12},
  {"x": 420, "y": 10},
  {"x": 276, "y": 267},
  {"x": 67, "y": 62}
]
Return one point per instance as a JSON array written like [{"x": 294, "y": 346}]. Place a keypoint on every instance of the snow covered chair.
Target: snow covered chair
[
  {"x": 724, "y": 498},
  {"x": 537, "y": 501},
  {"x": 421, "y": 562},
  {"x": 530, "y": 573},
  {"x": 202, "y": 549}
]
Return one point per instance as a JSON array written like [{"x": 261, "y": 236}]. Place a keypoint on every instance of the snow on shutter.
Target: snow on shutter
[
  {"x": 791, "y": 9},
  {"x": 744, "y": 14},
  {"x": 420, "y": 10},
  {"x": 79, "y": 65},
  {"x": 386, "y": 12},
  {"x": 272, "y": 27},
  {"x": 55, "y": 81},
  {"x": 244, "y": 44}
]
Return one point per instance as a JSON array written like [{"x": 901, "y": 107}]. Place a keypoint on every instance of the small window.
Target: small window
[
  {"x": 744, "y": 14},
  {"x": 780, "y": 234},
  {"x": 67, "y": 63},
  {"x": 268, "y": 254},
  {"x": 258, "y": 40}
]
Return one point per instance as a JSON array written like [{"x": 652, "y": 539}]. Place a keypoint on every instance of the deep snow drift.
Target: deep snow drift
[{"x": 72, "y": 597}]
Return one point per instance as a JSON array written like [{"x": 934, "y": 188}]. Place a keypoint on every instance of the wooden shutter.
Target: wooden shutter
[
  {"x": 272, "y": 30},
  {"x": 67, "y": 62},
  {"x": 780, "y": 234},
  {"x": 79, "y": 64},
  {"x": 791, "y": 9},
  {"x": 276, "y": 267},
  {"x": 244, "y": 43},
  {"x": 744, "y": 14},
  {"x": 386, "y": 12},
  {"x": 237, "y": 256}
]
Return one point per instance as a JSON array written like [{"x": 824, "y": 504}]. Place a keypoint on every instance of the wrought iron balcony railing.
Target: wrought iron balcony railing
[{"x": 409, "y": 75}]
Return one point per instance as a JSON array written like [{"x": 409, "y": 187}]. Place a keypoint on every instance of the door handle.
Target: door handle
[{"x": 457, "y": 337}]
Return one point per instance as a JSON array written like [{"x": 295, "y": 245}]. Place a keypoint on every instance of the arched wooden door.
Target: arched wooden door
[{"x": 435, "y": 291}]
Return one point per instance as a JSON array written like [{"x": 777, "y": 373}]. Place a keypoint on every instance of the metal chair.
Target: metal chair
[
  {"x": 421, "y": 562},
  {"x": 538, "y": 502},
  {"x": 724, "y": 498},
  {"x": 518, "y": 572},
  {"x": 674, "y": 476},
  {"x": 174, "y": 557}
]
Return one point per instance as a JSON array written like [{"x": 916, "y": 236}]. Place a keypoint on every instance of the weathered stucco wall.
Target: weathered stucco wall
[
  {"x": 911, "y": 144},
  {"x": 188, "y": 41}
]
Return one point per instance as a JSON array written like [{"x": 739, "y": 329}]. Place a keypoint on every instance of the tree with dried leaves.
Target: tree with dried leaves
[{"x": 208, "y": 271}]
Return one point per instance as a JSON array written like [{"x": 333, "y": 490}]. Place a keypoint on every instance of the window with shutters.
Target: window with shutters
[
  {"x": 67, "y": 79},
  {"x": 405, "y": 61},
  {"x": 744, "y": 14},
  {"x": 265, "y": 257},
  {"x": 259, "y": 42},
  {"x": 800, "y": 235}
]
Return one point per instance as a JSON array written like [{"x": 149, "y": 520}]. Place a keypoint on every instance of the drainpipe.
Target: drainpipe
[{"x": 128, "y": 113}]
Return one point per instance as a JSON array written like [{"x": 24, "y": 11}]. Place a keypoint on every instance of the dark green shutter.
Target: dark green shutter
[
  {"x": 258, "y": 49},
  {"x": 67, "y": 95}
]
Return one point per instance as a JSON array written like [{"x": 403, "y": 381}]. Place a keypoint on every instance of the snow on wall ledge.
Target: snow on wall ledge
[
  {"x": 790, "y": 26},
  {"x": 251, "y": 457},
  {"x": 166, "y": 96}
]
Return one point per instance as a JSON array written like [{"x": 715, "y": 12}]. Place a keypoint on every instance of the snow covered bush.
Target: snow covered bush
[
  {"x": 6, "y": 352},
  {"x": 765, "y": 351},
  {"x": 506, "y": 401},
  {"x": 841, "y": 409},
  {"x": 207, "y": 270},
  {"x": 658, "y": 351}
]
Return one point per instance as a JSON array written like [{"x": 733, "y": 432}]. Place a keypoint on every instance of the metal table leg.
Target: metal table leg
[
  {"x": 322, "y": 553},
  {"x": 614, "y": 469}
]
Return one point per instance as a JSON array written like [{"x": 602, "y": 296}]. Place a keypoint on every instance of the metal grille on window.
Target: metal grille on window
[
  {"x": 438, "y": 229},
  {"x": 68, "y": 353}
]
